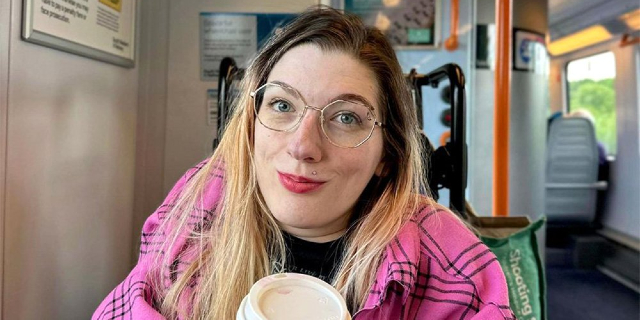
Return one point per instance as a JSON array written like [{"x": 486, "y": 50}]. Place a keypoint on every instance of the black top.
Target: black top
[{"x": 320, "y": 260}]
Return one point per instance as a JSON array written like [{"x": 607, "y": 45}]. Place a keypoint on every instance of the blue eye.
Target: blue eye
[
  {"x": 347, "y": 118},
  {"x": 281, "y": 106}
]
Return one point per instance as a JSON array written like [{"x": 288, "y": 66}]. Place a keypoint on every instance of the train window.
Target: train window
[{"x": 591, "y": 88}]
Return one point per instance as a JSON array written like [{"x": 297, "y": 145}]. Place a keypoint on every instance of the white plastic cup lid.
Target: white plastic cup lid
[{"x": 292, "y": 296}]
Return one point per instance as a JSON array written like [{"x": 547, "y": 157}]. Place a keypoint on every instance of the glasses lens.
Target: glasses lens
[
  {"x": 348, "y": 124},
  {"x": 278, "y": 107}
]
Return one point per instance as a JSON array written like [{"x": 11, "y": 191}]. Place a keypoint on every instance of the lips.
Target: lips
[{"x": 298, "y": 184}]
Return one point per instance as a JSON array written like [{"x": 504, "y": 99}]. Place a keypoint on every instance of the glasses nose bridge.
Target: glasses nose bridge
[
  {"x": 312, "y": 108},
  {"x": 303, "y": 114},
  {"x": 307, "y": 107}
]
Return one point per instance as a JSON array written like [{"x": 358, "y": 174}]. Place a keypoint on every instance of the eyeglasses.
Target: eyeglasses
[{"x": 346, "y": 124}]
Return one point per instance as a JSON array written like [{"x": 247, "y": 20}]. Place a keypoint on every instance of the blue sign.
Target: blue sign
[{"x": 235, "y": 35}]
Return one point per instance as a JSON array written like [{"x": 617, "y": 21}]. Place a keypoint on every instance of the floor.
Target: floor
[{"x": 588, "y": 294}]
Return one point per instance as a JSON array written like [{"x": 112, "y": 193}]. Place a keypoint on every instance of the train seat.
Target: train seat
[{"x": 572, "y": 172}]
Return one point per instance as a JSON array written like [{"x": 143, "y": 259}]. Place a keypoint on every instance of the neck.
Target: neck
[
  {"x": 324, "y": 238},
  {"x": 328, "y": 232},
  {"x": 318, "y": 236}
]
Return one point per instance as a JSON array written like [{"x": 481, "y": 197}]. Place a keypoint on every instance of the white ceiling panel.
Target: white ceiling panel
[{"x": 569, "y": 16}]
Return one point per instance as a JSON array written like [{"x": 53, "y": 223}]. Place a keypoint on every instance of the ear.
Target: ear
[{"x": 380, "y": 169}]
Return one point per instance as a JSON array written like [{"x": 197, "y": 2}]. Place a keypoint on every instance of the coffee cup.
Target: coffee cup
[{"x": 292, "y": 296}]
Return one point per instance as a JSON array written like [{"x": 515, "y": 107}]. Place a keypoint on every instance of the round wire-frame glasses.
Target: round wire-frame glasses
[{"x": 293, "y": 125}]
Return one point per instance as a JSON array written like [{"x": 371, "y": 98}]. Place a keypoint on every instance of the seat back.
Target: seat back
[{"x": 571, "y": 171}]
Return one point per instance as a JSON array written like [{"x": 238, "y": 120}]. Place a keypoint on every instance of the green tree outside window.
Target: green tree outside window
[{"x": 591, "y": 83}]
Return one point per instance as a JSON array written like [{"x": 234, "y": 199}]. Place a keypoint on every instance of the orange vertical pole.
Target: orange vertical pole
[{"x": 501, "y": 111}]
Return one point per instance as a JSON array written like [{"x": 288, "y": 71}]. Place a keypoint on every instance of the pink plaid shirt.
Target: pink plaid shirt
[{"x": 435, "y": 268}]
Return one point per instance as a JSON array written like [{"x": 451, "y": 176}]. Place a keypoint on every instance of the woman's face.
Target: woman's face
[{"x": 309, "y": 184}]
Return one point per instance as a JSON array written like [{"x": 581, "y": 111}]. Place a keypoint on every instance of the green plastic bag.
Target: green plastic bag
[{"x": 516, "y": 247}]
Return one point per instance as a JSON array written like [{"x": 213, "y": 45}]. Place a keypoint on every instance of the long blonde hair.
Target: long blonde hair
[{"x": 243, "y": 243}]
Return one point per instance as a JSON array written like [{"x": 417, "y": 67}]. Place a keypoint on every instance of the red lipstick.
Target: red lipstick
[{"x": 298, "y": 184}]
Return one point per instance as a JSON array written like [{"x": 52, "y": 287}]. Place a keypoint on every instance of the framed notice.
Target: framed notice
[
  {"x": 529, "y": 50},
  {"x": 98, "y": 29},
  {"x": 408, "y": 24},
  {"x": 234, "y": 35}
]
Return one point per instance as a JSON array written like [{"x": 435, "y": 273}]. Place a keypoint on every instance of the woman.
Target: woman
[{"x": 319, "y": 172}]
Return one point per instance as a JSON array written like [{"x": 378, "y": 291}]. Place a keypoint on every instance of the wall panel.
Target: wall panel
[{"x": 69, "y": 178}]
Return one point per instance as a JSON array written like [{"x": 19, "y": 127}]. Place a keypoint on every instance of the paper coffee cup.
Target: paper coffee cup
[{"x": 292, "y": 296}]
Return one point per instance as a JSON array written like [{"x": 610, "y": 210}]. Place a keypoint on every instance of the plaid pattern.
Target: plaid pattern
[{"x": 435, "y": 268}]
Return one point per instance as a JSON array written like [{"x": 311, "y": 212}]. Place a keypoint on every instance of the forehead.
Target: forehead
[{"x": 320, "y": 76}]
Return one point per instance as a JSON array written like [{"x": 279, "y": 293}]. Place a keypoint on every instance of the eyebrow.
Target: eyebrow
[
  {"x": 354, "y": 97},
  {"x": 343, "y": 96},
  {"x": 288, "y": 87}
]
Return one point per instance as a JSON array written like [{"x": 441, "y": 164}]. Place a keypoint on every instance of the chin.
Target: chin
[{"x": 296, "y": 222}]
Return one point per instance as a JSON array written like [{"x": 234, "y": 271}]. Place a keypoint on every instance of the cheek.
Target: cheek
[
  {"x": 361, "y": 170},
  {"x": 377, "y": 150},
  {"x": 267, "y": 145},
  {"x": 261, "y": 137}
]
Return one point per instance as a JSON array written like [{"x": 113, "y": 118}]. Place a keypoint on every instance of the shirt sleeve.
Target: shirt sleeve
[
  {"x": 491, "y": 311},
  {"x": 133, "y": 298},
  {"x": 474, "y": 268},
  {"x": 461, "y": 277}
]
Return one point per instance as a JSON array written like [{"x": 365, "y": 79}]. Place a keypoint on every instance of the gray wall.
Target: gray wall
[
  {"x": 5, "y": 14},
  {"x": 152, "y": 105},
  {"x": 67, "y": 152},
  {"x": 528, "y": 110},
  {"x": 480, "y": 124},
  {"x": 529, "y": 105}
]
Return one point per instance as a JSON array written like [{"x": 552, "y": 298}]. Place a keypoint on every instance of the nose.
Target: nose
[{"x": 305, "y": 142}]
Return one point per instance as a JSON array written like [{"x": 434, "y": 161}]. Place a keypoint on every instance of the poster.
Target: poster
[
  {"x": 406, "y": 23},
  {"x": 99, "y": 29},
  {"x": 226, "y": 35},
  {"x": 235, "y": 35},
  {"x": 529, "y": 51}
]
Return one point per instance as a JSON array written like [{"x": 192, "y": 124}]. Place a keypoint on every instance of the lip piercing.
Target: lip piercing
[{"x": 314, "y": 173}]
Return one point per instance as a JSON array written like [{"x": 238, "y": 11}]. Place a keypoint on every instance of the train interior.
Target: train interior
[{"x": 89, "y": 148}]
